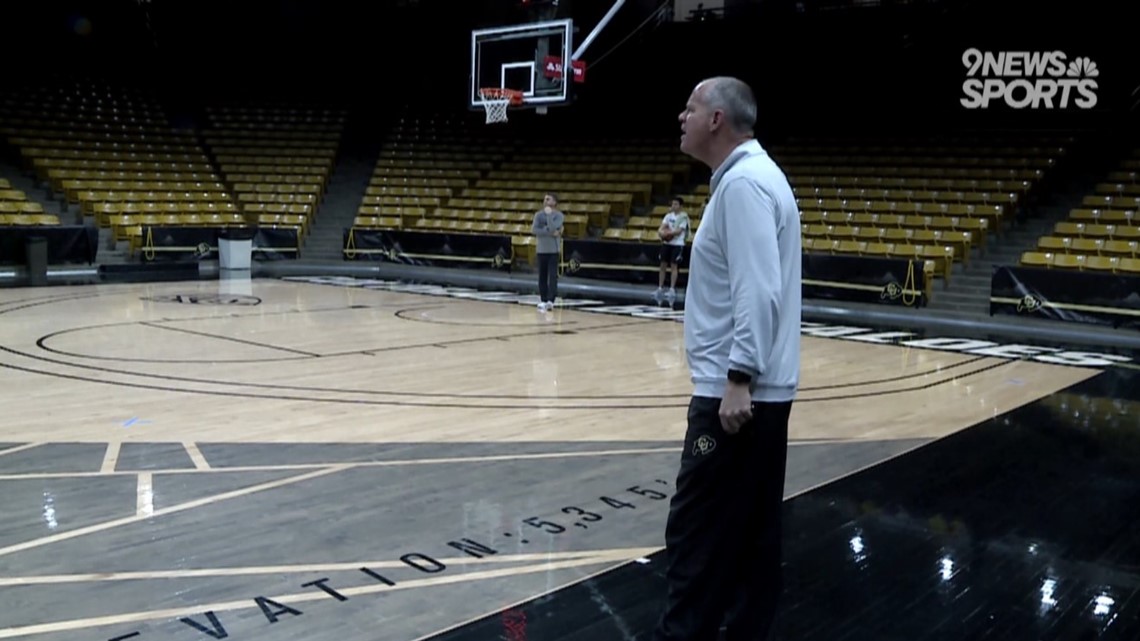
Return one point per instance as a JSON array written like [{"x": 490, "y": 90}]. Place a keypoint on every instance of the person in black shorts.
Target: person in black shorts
[{"x": 674, "y": 232}]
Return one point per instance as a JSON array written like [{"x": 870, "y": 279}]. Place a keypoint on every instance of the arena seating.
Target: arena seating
[
  {"x": 434, "y": 174},
  {"x": 424, "y": 163},
  {"x": 900, "y": 198},
  {"x": 1103, "y": 234},
  {"x": 112, "y": 152},
  {"x": 596, "y": 180},
  {"x": 16, "y": 209},
  {"x": 896, "y": 198},
  {"x": 277, "y": 159}
]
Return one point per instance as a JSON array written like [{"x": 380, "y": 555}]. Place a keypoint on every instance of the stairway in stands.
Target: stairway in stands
[
  {"x": 21, "y": 180},
  {"x": 351, "y": 174},
  {"x": 968, "y": 294}
]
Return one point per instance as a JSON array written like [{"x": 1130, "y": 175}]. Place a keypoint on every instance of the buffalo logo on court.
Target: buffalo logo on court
[
  {"x": 704, "y": 445},
  {"x": 1028, "y": 303},
  {"x": 573, "y": 264},
  {"x": 205, "y": 299}
]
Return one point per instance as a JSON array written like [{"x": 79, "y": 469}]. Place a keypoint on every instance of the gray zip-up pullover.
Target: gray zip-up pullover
[
  {"x": 543, "y": 227},
  {"x": 743, "y": 298}
]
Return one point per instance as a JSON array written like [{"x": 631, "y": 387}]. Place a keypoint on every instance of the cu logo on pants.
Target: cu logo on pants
[{"x": 704, "y": 445}]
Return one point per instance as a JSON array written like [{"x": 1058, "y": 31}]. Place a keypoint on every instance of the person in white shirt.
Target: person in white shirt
[
  {"x": 674, "y": 232},
  {"x": 742, "y": 342}
]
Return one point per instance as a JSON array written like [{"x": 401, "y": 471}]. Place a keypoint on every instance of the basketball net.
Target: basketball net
[{"x": 495, "y": 103}]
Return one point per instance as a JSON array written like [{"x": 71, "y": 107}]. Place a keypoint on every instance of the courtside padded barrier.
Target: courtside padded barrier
[
  {"x": 888, "y": 281},
  {"x": 866, "y": 279},
  {"x": 892, "y": 281},
  {"x": 65, "y": 243},
  {"x": 429, "y": 249},
  {"x": 183, "y": 244},
  {"x": 1089, "y": 297}
]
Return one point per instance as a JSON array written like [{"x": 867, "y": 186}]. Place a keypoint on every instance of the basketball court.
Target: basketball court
[
  {"x": 300, "y": 458},
  {"x": 352, "y": 459}
]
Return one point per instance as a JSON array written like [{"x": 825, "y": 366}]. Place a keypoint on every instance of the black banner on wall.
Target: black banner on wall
[
  {"x": 65, "y": 243},
  {"x": 181, "y": 244},
  {"x": 429, "y": 249},
  {"x": 618, "y": 261},
  {"x": 865, "y": 279},
  {"x": 825, "y": 276},
  {"x": 1092, "y": 298}
]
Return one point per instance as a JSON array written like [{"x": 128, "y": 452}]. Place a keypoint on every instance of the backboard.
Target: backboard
[{"x": 526, "y": 57}]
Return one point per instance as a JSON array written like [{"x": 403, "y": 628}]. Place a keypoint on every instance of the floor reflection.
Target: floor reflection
[{"x": 1022, "y": 528}]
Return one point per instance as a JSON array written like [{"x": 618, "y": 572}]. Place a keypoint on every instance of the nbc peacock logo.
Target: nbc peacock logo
[
  {"x": 1028, "y": 80},
  {"x": 1083, "y": 68}
]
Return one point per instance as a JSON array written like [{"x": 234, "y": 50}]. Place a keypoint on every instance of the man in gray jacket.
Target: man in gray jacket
[
  {"x": 742, "y": 340},
  {"x": 547, "y": 229}
]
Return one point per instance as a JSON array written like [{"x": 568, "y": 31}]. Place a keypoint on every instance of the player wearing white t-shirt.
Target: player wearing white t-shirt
[{"x": 674, "y": 232}]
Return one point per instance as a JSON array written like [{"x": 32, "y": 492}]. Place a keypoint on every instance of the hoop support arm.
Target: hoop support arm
[{"x": 597, "y": 29}]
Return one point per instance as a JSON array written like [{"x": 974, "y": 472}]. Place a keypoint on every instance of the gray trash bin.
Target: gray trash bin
[
  {"x": 37, "y": 260},
  {"x": 235, "y": 249}
]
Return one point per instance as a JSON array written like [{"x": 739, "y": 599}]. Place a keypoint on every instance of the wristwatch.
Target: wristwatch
[{"x": 737, "y": 376}]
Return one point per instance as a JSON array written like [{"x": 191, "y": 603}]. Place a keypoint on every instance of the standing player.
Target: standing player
[
  {"x": 547, "y": 229},
  {"x": 674, "y": 232}
]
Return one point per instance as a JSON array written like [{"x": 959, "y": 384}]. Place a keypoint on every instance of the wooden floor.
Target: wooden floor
[
  {"x": 112, "y": 392},
  {"x": 323, "y": 364}
]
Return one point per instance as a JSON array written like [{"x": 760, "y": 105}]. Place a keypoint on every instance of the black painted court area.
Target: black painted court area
[{"x": 1023, "y": 528}]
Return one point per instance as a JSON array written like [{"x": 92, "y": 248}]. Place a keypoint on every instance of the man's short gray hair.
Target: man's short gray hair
[{"x": 734, "y": 97}]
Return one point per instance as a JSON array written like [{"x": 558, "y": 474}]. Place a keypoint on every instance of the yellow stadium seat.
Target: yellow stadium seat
[
  {"x": 1037, "y": 259},
  {"x": 1101, "y": 263},
  {"x": 1068, "y": 261},
  {"x": 1128, "y": 265}
]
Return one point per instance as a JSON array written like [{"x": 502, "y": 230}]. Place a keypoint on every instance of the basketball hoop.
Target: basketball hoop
[{"x": 496, "y": 100}]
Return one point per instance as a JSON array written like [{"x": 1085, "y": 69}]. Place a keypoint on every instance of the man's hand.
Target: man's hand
[{"x": 735, "y": 407}]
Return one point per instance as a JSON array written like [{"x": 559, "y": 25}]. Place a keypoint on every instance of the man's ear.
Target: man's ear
[{"x": 717, "y": 120}]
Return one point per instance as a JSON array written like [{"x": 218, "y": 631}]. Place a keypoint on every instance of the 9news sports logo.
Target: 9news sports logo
[{"x": 1023, "y": 79}]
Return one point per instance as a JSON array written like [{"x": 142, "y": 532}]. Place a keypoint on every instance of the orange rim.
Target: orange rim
[{"x": 498, "y": 93}]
